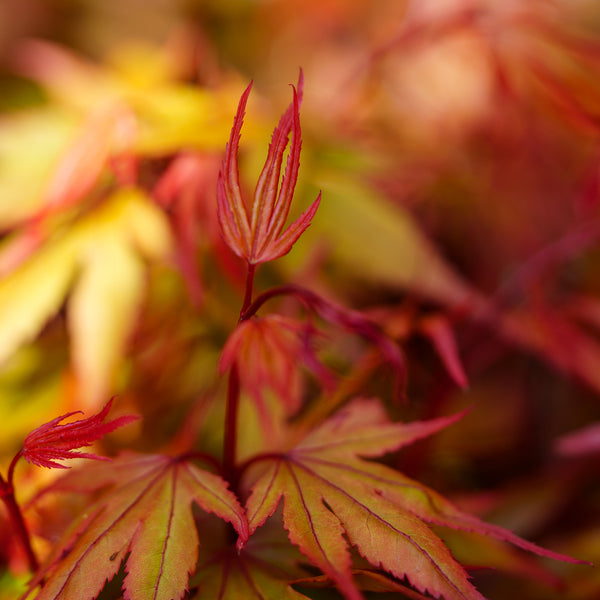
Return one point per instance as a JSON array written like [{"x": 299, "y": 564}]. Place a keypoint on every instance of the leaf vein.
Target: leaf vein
[
  {"x": 168, "y": 534},
  {"x": 329, "y": 483},
  {"x": 268, "y": 490},
  {"x": 107, "y": 530},
  {"x": 309, "y": 517}
]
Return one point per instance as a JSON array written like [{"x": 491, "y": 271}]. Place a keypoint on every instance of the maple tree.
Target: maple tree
[
  {"x": 145, "y": 520},
  {"x": 325, "y": 388}
]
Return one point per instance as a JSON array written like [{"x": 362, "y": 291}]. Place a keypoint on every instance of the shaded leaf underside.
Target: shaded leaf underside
[{"x": 243, "y": 577}]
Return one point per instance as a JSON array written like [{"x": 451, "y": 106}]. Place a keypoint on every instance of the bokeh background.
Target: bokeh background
[{"x": 456, "y": 144}]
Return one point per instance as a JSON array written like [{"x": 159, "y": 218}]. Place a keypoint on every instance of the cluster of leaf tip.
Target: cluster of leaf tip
[{"x": 255, "y": 233}]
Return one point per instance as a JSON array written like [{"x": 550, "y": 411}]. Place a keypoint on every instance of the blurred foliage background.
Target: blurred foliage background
[{"x": 456, "y": 144}]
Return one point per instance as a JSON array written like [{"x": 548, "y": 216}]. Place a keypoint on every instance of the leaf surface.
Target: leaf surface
[
  {"x": 245, "y": 577},
  {"x": 145, "y": 520},
  {"x": 265, "y": 569},
  {"x": 329, "y": 492},
  {"x": 254, "y": 234}
]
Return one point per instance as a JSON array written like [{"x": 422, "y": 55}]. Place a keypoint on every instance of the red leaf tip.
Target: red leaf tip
[
  {"x": 58, "y": 441},
  {"x": 256, "y": 233}
]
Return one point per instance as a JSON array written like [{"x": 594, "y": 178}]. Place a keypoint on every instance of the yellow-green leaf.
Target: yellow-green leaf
[
  {"x": 377, "y": 242},
  {"x": 146, "y": 520},
  {"x": 100, "y": 257},
  {"x": 102, "y": 310},
  {"x": 327, "y": 495}
]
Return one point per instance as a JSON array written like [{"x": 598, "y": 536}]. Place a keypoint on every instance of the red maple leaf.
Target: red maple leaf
[
  {"x": 55, "y": 441},
  {"x": 255, "y": 233}
]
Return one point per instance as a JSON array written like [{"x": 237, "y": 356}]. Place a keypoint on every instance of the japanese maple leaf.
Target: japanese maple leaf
[
  {"x": 330, "y": 492},
  {"x": 255, "y": 233},
  {"x": 58, "y": 441},
  {"x": 267, "y": 351},
  {"x": 145, "y": 520}
]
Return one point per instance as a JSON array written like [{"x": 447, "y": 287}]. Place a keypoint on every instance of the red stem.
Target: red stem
[
  {"x": 7, "y": 493},
  {"x": 11, "y": 468},
  {"x": 233, "y": 397},
  {"x": 248, "y": 293},
  {"x": 252, "y": 308},
  {"x": 230, "y": 437}
]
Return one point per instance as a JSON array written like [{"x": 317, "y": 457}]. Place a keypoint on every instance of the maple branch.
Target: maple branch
[
  {"x": 11, "y": 467},
  {"x": 15, "y": 515}
]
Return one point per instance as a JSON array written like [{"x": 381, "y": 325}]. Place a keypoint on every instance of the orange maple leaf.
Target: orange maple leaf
[{"x": 332, "y": 497}]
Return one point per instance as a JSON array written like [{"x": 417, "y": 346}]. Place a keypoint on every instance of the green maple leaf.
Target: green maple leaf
[
  {"x": 330, "y": 492},
  {"x": 145, "y": 520}
]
